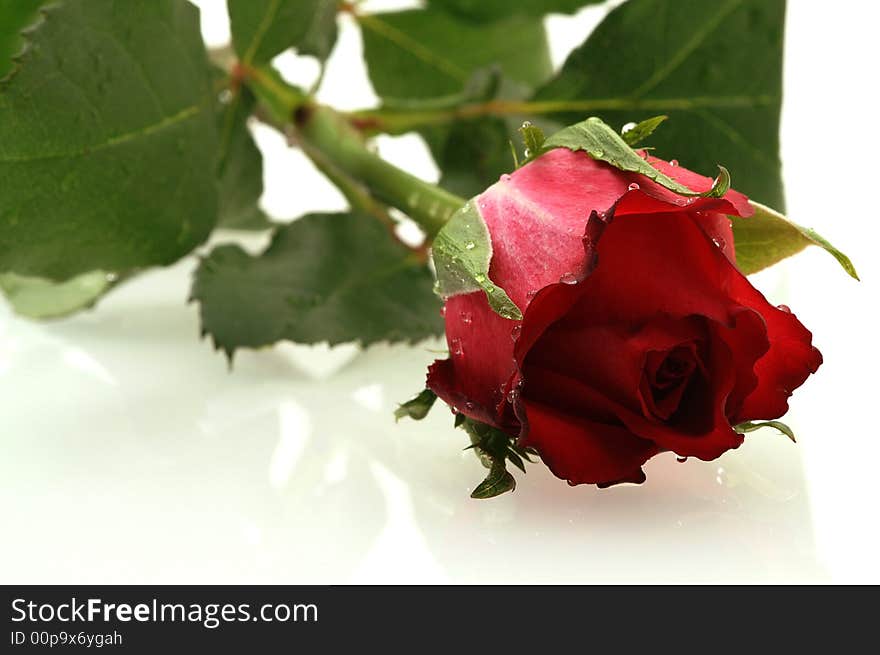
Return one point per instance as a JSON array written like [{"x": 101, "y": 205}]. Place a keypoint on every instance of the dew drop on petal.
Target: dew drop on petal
[
  {"x": 784, "y": 308},
  {"x": 673, "y": 162},
  {"x": 456, "y": 348},
  {"x": 531, "y": 294},
  {"x": 469, "y": 405},
  {"x": 443, "y": 310},
  {"x": 466, "y": 317},
  {"x": 681, "y": 460},
  {"x": 512, "y": 396},
  {"x": 568, "y": 278},
  {"x": 506, "y": 176},
  {"x": 633, "y": 187},
  {"x": 718, "y": 241},
  {"x": 515, "y": 332}
]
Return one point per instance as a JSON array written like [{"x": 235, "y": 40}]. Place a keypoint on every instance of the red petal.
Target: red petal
[
  {"x": 786, "y": 365},
  {"x": 582, "y": 451}
]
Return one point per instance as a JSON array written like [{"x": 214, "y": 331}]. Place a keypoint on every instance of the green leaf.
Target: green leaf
[
  {"x": 462, "y": 251},
  {"x": 39, "y": 298},
  {"x": 107, "y": 140},
  {"x": 429, "y": 53},
  {"x": 240, "y": 167},
  {"x": 329, "y": 278},
  {"x": 262, "y": 29},
  {"x": 715, "y": 68},
  {"x": 601, "y": 142},
  {"x": 494, "y": 9},
  {"x": 498, "y": 481},
  {"x": 635, "y": 133},
  {"x": 767, "y": 237},
  {"x": 16, "y": 16},
  {"x": 423, "y": 55},
  {"x": 417, "y": 408},
  {"x": 750, "y": 426}
]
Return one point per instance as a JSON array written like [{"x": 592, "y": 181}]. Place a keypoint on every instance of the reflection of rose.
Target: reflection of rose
[{"x": 639, "y": 334}]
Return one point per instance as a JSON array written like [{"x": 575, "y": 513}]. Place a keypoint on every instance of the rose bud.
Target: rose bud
[{"x": 639, "y": 335}]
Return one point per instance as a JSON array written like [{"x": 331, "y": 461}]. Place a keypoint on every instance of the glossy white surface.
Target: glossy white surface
[{"x": 131, "y": 453}]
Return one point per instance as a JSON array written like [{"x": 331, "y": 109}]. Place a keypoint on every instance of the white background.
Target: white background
[{"x": 131, "y": 454}]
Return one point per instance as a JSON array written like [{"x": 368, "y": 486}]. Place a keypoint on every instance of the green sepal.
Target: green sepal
[
  {"x": 751, "y": 426},
  {"x": 416, "y": 408},
  {"x": 498, "y": 481},
  {"x": 533, "y": 139},
  {"x": 462, "y": 251},
  {"x": 598, "y": 140},
  {"x": 767, "y": 237},
  {"x": 494, "y": 448},
  {"x": 635, "y": 133}
]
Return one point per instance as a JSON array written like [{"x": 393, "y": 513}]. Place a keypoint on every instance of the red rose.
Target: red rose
[{"x": 639, "y": 335}]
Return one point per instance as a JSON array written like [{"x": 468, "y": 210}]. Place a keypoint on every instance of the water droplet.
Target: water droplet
[
  {"x": 673, "y": 162},
  {"x": 111, "y": 277},
  {"x": 480, "y": 278},
  {"x": 225, "y": 97},
  {"x": 526, "y": 125},
  {"x": 455, "y": 347},
  {"x": 512, "y": 396},
  {"x": 515, "y": 332},
  {"x": 633, "y": 187},
  {"x": 718, "y": 241},
  {"x": 527, "y": 153},
  {"x": 504, "y": 178},
  {"x": 470, "y": 245},
  {"x": 466, "y": 317},
  {"x": 721, "y": 475},
  {"x": 443, "y": 310},
  {"x": 469, "y": 405},
  {"x": 681, "y": 460},
  {"x": 531, "y": 294},
  {"x": 626, "y": 128},
  {"x": 784, "y": 308},
  {"x": 597, "y": 154},
  {"x": 568, "y": 278}
]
